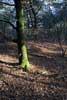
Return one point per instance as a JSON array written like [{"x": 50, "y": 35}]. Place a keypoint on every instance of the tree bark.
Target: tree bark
[{"x": 22, "y": 49}]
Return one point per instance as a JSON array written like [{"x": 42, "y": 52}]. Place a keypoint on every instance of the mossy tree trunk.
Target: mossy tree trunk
[{"x": 22, "y": 49}]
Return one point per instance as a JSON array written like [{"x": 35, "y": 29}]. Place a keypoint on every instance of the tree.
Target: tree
[
  {"x": 22, "y": 49},
  {"x": 21, "y": 36}
]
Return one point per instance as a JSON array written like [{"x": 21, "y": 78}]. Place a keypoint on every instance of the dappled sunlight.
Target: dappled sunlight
[
  {"x": 39, "y": 70},
  {"x": 34, "y": 31},
  {"x": 46, "y": 48},
  {"x": 46, "y": 72},
  {"x": 8, "y": 58}
]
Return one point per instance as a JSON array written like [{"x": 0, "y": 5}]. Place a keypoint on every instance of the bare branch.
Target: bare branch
[
  {"x": 9, "y": 23},
  {"x": 7, "y": 3}
]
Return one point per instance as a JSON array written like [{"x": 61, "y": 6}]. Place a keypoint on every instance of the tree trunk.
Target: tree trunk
[{"x": 22, "y": 49}]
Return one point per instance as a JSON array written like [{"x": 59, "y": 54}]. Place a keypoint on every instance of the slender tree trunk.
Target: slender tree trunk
[
  {"x": 33, "y": 11},
  {"x": 22, "y": 49}
]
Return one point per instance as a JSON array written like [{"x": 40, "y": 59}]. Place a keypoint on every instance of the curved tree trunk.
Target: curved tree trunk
[{"x": 22, "y": 50}]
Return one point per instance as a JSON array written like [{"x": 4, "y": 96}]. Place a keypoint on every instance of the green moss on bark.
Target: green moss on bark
[
  {"x": 22, "y": 50},
  {"x": 25, "y": 63}
]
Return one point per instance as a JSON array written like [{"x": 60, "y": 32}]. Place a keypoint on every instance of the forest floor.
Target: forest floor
[{"x": 46, "y": 79}]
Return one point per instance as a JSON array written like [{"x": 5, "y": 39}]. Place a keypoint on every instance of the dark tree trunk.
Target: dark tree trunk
[{"x": 22, "y": 50}]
